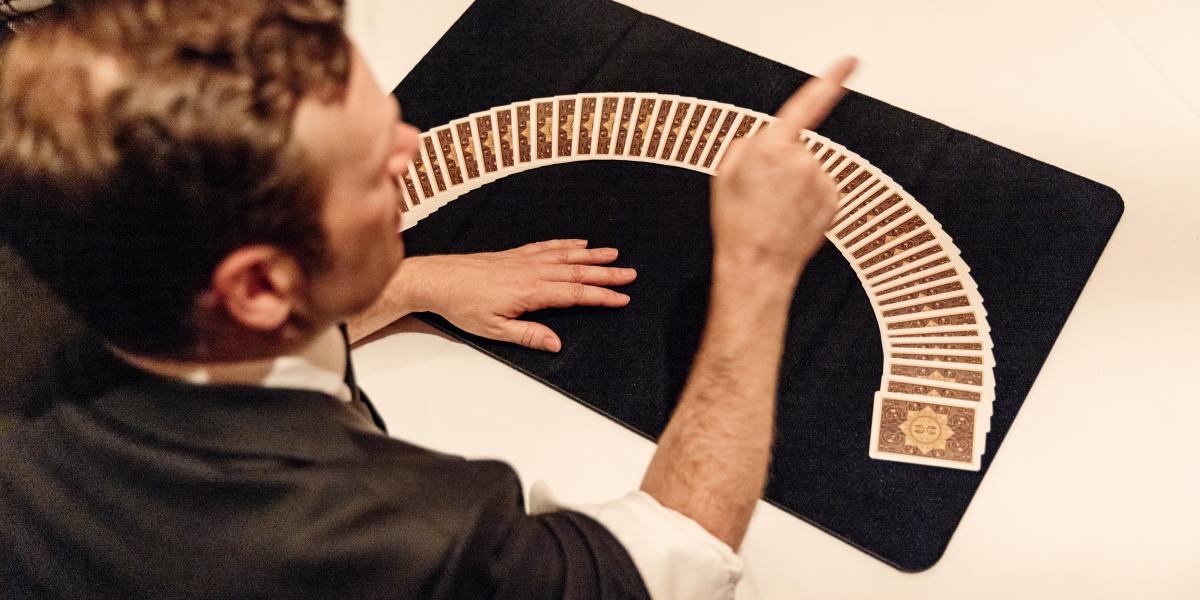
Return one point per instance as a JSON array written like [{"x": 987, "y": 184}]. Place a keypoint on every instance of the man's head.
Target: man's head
[{"x": 183, "y": 173}]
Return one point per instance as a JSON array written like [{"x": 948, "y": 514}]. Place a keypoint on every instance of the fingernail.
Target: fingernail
[
  {"x": 629, "y": 272},
  {"x": 609, "y": 252},
  {"x": 581, "y": 243},
  {"x": 553, "y": 344}
]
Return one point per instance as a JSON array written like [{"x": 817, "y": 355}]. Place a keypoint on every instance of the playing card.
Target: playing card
[
  {"x": 524, "y": 129},
  {"x": 836, "y": 159},
  {"x": 624, "y": 125},
  {"x": 448, "y": 156},
  {"x": 505, "y": 119},
  {"x": 937, "y": 271},
  {"x": 747, "y": 125},
  {"x": 660, "y": 127},
  {"x": 421, "y": 171},
  {"x": 543, "y": 129},
  {"x": 891, "y": 204},
  {"x": 822, "y": 152},
  {"x": 937, "y": 391},
  {"x": 852, "y": 184},
  {"x": 848, "y": 172},
  {"x": 973, "y": 347},
  {"x": 465, "y": 143},
  {"x": 690, "y": 132},
  {"x": 959, "y": 334},
  {"x": 744, "y": 125},
  {"x": 719, "y": 137},
  {"x": 940, "y": 355},
  {"x": 896, "y": 223},
  {"x": 942, "y": 295},
  {"x": 879, "y": 216},
  {"x": 976, "y": 352},
  {"x": 898, "y": 384},
  {"x": 647, "y": 106},
  {"x": 904, "y": 253},
  {"x": 875, "y": 191},
  {"x": 410, "y": 187},
  {"x": 680, "y": 116},
  {"x": 941, "y": 344},
  {"x": 566, "y": 125},
  {"x": 607, "y": 125},
  {"x": 940, "y": 374},
  {"x": 809, "y": 139},
  {"x": 421, "y": 204},
  {"x": 586, "y": 144},
  {"x": 715, "y": 113},
  {"x": 431, "y": 159},
  {"x": 933, "y": 321},
  {"x": 763, "y": 124},
  {"x": 485, "y": 135},
  {"x": 403, "y": 202},
  {"x": 937, "y": 433}
]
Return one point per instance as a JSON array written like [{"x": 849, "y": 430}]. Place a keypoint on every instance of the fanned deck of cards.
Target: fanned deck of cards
[{"x": 934, "y": 403}]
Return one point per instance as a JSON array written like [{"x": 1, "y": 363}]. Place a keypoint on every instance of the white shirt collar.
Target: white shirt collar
[{"x": 319, "y": 365}]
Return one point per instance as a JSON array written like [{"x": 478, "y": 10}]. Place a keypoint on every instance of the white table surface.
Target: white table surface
[{"x": 1095, "y": 491}]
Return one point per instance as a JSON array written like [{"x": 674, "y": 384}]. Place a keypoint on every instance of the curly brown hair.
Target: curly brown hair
[{"x": 141, "y": 141}]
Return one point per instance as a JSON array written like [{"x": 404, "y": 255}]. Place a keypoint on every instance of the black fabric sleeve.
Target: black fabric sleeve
[
  {"x": 444, "y": 528},
  {"x": 573, "y": 557},
  {"x": 559, "y": 555}
]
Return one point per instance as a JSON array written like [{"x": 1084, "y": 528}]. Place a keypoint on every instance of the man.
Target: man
[{"x": 213, "y": 189}]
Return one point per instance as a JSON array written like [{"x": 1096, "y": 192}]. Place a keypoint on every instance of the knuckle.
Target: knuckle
[
  {"x": 528, "y": 295},
  {"x": 828, "y": 189},
  {"x": 493, "y": 329},
  {"x": 578, "y": 273},
  {"x": 806, "y": 166},
  {"x": 577, "y": 290},
  {"x": 528, "y": 335},
  {"x": 772, "y": 153}
]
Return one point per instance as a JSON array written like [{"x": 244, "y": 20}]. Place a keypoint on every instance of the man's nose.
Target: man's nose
[{"x": 407, "y": 143}]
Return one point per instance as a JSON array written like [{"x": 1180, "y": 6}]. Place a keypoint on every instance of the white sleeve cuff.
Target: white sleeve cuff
[{"x": 676, "y": 557}]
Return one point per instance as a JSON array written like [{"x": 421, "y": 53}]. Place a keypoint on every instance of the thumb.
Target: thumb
[{"x": 529, "y": 334}]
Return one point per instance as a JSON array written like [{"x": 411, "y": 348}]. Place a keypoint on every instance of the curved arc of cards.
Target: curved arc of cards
[{"x": 933, "y": 406}]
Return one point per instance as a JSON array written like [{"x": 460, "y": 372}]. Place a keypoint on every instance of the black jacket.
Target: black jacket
[{"x": 130, "y": 485}]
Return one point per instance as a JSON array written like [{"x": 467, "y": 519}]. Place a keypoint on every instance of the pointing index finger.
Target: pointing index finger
[{"x": 813, "y": 101}]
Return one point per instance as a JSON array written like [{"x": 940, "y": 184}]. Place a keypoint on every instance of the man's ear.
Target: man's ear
[{"x": 258, "y": 286}]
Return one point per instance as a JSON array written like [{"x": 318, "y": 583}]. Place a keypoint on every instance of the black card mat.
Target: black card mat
[{"x": 1030, "y": 232}]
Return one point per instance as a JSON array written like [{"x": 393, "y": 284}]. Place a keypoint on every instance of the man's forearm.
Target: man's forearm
[
  {"x": 401, "y": 297},
  {"x": 712, "y": 459}
]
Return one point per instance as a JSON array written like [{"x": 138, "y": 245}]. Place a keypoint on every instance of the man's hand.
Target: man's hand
[
  {"x": 771, "y": 202},
  {"x": 485, "y": 293}
]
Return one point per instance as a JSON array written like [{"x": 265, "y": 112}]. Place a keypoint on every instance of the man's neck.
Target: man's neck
[
  {"x": 319, "y": 364},
  {"x": 232, "y": 344}
]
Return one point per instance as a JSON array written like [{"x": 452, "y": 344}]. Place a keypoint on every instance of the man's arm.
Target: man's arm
[
  {"x": 771, "y": 206},
  {"x": 485, "y": 293}
]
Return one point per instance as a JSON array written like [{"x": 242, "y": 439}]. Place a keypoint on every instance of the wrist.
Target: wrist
[
  {"x": 755, "y": 278},
  {"x": 413, "y": 286}
]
